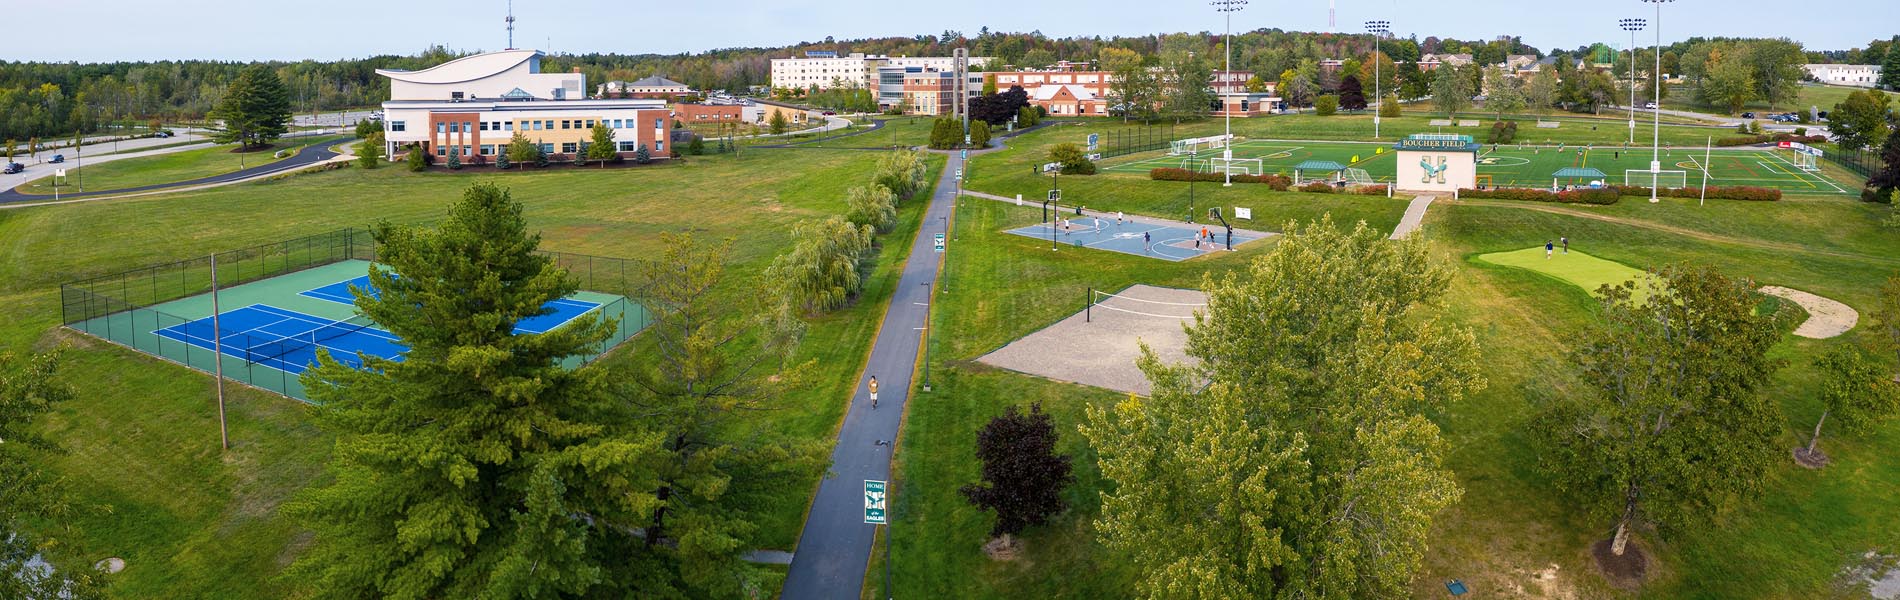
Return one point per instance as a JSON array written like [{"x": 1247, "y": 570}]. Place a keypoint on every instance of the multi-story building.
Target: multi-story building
[
  {"x": 1854, "y": 75},
  {"x": 1433, "y": 61},
  {"x": 472, "y": 106},
  {"x": 927, "y": 91},
  {"x": 649, "y": 87},
  {"x": 1230, "y": 82},
  {"x": 687, "y": 112},
  {"x": 857, "y": 70}
]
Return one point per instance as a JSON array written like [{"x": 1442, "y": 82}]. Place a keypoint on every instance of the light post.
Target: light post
[
  {"x": 1378, "y": 29},
  {"x": 1632, "y": 26},
  {"x": 1655, "y": 162},
  {"x": 1228, "y": 8}
]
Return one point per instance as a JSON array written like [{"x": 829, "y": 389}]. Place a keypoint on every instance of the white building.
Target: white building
[
  {"x": 1854, "y": 75},
  {"x": 472, "y": 106},
  {"x": 858, "y": 70}
]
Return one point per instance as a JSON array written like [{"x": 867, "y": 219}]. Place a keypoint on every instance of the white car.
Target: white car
[{"x": 1649, "y": 106}]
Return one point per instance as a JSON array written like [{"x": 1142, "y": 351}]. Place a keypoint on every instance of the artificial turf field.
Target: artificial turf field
[{"x": 1513, "y": 165}]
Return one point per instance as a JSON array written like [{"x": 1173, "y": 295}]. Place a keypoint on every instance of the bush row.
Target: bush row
[
  {"x": 1750, "y": 140},
  {"x": 1722, "y": 192},
  {"x": 1602, "y": 196},
  {"x": 1278, "y": 182}
]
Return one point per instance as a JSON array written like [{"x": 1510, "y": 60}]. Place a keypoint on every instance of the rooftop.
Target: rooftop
[{"x": 467, "y": 68}]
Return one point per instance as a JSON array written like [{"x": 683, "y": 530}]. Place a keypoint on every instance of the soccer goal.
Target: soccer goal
[
  {"x": 1193, "y": 145},
  {"x": 1238, "y": 166},
  {"x": 1650, "y": 179},
  {"x": 1356, "y": 177},
  {"x": 1805, "y": 160}
]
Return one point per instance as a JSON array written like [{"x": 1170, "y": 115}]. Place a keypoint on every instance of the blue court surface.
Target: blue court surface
[
  {"x": 1166, "y": 242},
  {"x": 562, "y": 310},
  {"x": 286, "y": 339}
]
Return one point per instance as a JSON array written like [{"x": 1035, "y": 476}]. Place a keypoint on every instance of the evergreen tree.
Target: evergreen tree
[
  {"x": 461, "y": 470},
  {"x": 696, "y": 146},
  {"x": 1675, "y": 426},
  {"x": 777, "y": 123},
  {"x": 1294, "y": 459},
  {"x": 369, "y": 153},
  {"x": 455, "y": 160},
  {"x": 601, "y": 147},
  {"x": 501, "y": 159},
  {"x": 980, "y": 134},
  {"x": 255, "y": 108},
  {"x": 417, "y": 160},
  {"x": 1890, "y": 70},
  {"x": 642, "y": 156},
  {"x": 1023, "y": 476}
]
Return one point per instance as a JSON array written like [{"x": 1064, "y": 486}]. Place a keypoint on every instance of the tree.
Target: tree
[
  {"x": 366, "y": 128},
  {"x": 777, "y": 124},
  {"x": 696, "y": 146},
  {"x": 370, "y": 151},
  {"x": 1134, "y": 93},
  {"x": 1256, "y": 85},
  {"x": 1675, "y": 424},
  {"x": 455, "y": 161},
  {"x": 1860, "y": 121},
  {"x": 825, "y": 269},
  {"x": 1074, "y": 161},
  {"x": 1596, "y": 88},
  {"x": 642, "y": 156},
  {"x": 989, "y": 84},
  {"x": 522, "y": 151},
  {"x": 417, "y": 160},
  {"x": 1856, "y": 392},
  {"x": 1389, "y": 108},
  {"x": 1028, "y": 116},
  {"x": 459, "y": 470},
  {"x": 1887, "y": 314},
  {"x": 1189, "y": 91},
  {"x": 1451, "y": 89},
  {"x": 1540, "y": 93},
  {"x": 1882, "y": 184},
  {"x": 1413, "y": 83},
  {"x": 1890, "y": 69},
  {"x": 945, "y": 133},
  {"x": 1351, "y": 95},
  {"x": 255, "y": 108},
  {"x": 1022, "y": 476},
  {"x": 1294, "y": 459},
  {"x": 501, "y": 159},
  {"x": 9, "y": 146},
  {"x": 1502, "y": 94},
  {"x": 1729, "y": 84},
  {"x": 1326, "y": 105},
  {"x": 871, "y": 205},
  {"x": 29, "y": 390},
  {"x": 980, "y": 134},
  {"x": 601, "y": 146},
  {"x": 902, "y": 172},
  {"x": 712, "y": 360}
]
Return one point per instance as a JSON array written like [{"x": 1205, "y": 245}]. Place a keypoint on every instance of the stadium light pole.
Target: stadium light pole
[
  {"x": 1227, "y": 8},
  {"x": 1379, "y": 29},
  {"x": 1655, "y": 162},
  {"x": 1632, "y": 26}
]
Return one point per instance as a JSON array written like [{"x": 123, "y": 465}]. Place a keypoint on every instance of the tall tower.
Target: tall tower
[
  {"x": 1332, "y": 8},
  {"x": 961, "y": 88},
  {"x": 511, "y": 24}
]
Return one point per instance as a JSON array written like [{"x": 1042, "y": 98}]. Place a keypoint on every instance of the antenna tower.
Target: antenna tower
[{"x": 511, "y": 24}]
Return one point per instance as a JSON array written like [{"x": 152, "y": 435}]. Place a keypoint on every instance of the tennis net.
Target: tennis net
[{"x": 258, "y": 349}]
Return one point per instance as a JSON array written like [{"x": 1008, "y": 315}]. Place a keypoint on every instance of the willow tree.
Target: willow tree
[{"x": 1294, "y": 459}]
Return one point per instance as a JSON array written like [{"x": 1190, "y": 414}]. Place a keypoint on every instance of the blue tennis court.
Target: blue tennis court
[
  {"x": 561, "y": 310},
  {"x": 286, "y": 339},
  {"x": 1166, "y": 242}
]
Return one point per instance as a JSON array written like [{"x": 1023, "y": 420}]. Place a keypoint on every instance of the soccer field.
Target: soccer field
[{"x": 1511, "y": 165}]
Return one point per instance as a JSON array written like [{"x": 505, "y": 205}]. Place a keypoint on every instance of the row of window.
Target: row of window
[
  {"x": 536, "y": 125},
  {"x": 566, "y": 148}
]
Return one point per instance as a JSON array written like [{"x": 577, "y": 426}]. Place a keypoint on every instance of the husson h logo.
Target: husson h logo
[{"x": 1432, "y": 172}]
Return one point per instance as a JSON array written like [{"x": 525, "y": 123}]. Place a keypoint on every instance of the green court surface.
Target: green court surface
[
  {"x": 138, "y": 328},
  {"x": 1575, "y": 268},
  {"x": 1511, "y": 165}
]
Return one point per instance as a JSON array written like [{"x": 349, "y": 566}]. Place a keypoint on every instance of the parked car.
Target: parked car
[
  {"x": 164, "y": 133},
  {"x": 1748, "y": 115},
  {"x": 830, "y": 113},
  {"x": 12, "y": 168},
  {"x": 57, "y": 158},
  {"x": 1649, "y": 105}
]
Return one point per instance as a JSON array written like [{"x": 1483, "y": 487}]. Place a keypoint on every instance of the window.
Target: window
[
  {"x": 468, "y": 126},
  {"x": 659, "y": 123},
  {"x": 590, "y": 123},
  {"x": 547, "y": 148},
  {"x": 507, "y": 125},
  {"x": 441, "y": 151},
  {"x": 567, "y": 147},
  {"x": 616, "y": 123},
  {"x": 484, "y": 126},
  {"x": 441, "y": 127},
  {"x": 488, "y": 149},
  {"x": 396, "y": 126},
  {"x": 659, "y": 146},
  {"x": 629, "y": 146}
]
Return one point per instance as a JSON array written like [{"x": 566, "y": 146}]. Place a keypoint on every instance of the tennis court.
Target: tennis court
[
  {"x": 1513, "y": 165},
  {"x": 274, "y": 322},
  {"x": 1153, "y": 240}
]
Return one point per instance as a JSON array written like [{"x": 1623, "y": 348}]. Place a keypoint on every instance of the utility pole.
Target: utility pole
[{"x": 1227, "y": 8}]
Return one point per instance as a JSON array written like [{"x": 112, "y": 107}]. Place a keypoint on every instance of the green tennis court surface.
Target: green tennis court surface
[
  {"x": 1511, "y": 165},
  {"x": 1576, "y": 268}
]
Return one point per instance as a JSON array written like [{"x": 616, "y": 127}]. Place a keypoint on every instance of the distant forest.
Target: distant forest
[{"x": 50, "y": 100}]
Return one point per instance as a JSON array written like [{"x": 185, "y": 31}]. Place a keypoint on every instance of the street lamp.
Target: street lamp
[
  {"x": 1379, "y": 29},
  {"x": 1655, "y": 162},
  {"x": 1227, "y": 8},
  {"x": 1632, "y": 26}
]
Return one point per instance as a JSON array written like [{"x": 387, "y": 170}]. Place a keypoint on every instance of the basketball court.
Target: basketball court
[{"x": 1169, "y": 242}]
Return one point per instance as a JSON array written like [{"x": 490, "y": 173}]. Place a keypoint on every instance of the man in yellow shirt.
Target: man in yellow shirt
[{"x": 873, "y": 387}]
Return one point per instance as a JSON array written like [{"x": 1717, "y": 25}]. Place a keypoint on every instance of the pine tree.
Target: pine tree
[
  {"x": 641, "y": 156},
  {"x": 369, "y": 153},
  {"x": 417, "y": 160},
  {"x": 477, "y": 466},
  {"x": 1890, "y": 69},
  {"x": 255, "y": 108},
  {"x": 455, "y": 160},
  {"x": 1023, "y": 476}
]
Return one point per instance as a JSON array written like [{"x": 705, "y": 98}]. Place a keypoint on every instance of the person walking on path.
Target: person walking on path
[
  {"x": 1547, "y": 248},
  {"x": 1566, "y": 241},
  {"x": 1098, "y": 227},
  {"x": 1147, "y": 242},
  {"x": 873, "y": 387}
]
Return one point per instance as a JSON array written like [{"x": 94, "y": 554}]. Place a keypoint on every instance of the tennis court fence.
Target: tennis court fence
[{"x": 119, "y": 307}]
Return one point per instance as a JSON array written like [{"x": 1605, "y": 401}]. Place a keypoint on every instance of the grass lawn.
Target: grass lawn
[
  {"x": 194, "y": 522},
  {"x": 1576, "y": 268},
  {"x": 897, "y": 131},
  {"x": 1682, "y": 97},
  {"x": 167, "y": 168}
]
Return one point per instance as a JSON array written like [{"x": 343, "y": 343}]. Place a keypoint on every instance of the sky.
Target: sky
[{"x": 244, "y": 30}]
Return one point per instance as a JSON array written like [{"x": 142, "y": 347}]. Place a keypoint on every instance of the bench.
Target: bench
[
  {"x": 1467, "y": 123},
  {"x": 1440, "y": 122},
  {"x": 1549, "y": 124}
]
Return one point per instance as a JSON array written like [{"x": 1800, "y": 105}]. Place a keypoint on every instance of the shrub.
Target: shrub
[
  {"x": 1389, "y": 107},
  {"x": 641, "y": 155},
  {"x": 369, "y": 154},
  {"x": 501, "y": 160},
  {"x": 455, "y": 161},
  {"x": 1503, "y": 132},
  {"x": 980, "y": 133},
  {"x": 873, "y": 205},
  {"x": 945, "y": 133},
  {"x": 1368, "y": 190},
  {"x": 1730, "y": 192},
  {"x": 1603, "y": 196},
  {"x": 1326, "y": 105},
  {"x": 1741, "y": 140},
  {"x": 1317, "y": 187},
  {"x": 1074, "y": 161},
  {"x": 1801, "y": 131},
  {"x": 696, "y": 147},
  {"x": 418, "y": 160},
  {"x": 1277, "y": 182},
  {"x": 1742, "y": 128}
]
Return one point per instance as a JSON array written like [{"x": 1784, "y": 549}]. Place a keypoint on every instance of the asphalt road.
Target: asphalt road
[
  {"x": 835, "y": 546},
  {"x": 305, "y": 156}
]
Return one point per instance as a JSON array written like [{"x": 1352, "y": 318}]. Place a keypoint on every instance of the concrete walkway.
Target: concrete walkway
[
  {"x": 1414, "y": 216},
  {"x": 1070, "y": 210},
  {"x": 307, "y": 156},
  {"x": 834, "y": 549}
]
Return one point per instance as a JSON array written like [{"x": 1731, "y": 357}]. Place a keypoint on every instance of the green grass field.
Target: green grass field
[
  {"x": 1514, "y": 165},
  {"x": 165, "y": 168},
  {"x": 1574, "y": 267}
]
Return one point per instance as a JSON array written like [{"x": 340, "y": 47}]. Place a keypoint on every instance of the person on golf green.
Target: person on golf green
[{"x": 1548, "y": 247}]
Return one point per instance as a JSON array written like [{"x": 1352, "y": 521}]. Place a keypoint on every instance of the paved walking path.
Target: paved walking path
[
  {"x": 1414, "y": 216},
  {"x": 1110, "y": 215},
  {"x": 308, "y": 155},
  {"x": 835, "y": 547}
]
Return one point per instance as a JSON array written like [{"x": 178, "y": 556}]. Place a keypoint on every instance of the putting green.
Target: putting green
[{"x": 1576, "y": 268}]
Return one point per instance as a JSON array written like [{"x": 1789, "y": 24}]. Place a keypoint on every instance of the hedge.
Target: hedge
[
  {"x": 1720, "y": 192},
  {"x": 1279, "y": 183},
  {"x": 1750, "y": 140}
]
